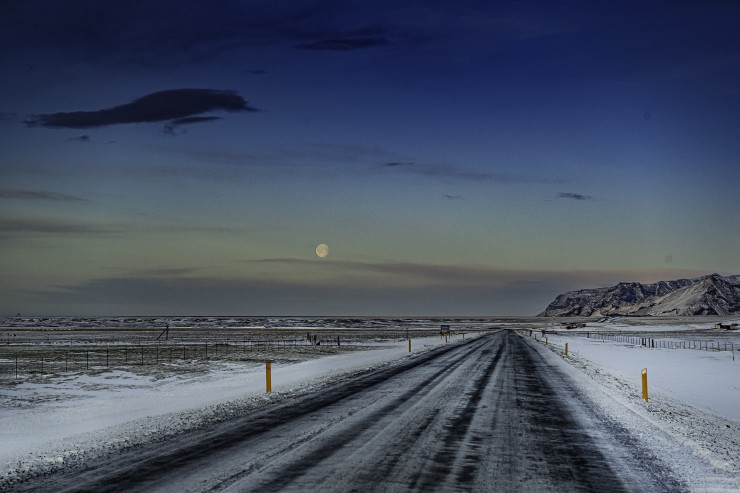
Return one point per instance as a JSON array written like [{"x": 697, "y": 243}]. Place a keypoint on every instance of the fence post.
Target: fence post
[
  {"x": 268, "y": 376},
  {"x": 16, "y": 366},
  {"x": 87, "y": 360},
  {"x": 644, "y": 385}
]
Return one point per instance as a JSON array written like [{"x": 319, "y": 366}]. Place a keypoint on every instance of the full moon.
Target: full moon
[{"x": 322, "y": 250}]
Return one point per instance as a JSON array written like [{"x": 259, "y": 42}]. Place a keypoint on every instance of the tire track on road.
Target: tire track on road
[{"x": 294, "y": 470}]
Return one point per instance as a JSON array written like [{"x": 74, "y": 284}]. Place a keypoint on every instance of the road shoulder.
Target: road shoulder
[{"x": 701, "y": 450}]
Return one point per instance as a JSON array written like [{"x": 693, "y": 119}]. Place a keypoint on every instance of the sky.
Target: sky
[{"x": 458, "y": 158}]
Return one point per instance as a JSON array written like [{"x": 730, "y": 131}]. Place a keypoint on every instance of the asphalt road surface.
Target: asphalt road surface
[{"x": 486, "y": 415}]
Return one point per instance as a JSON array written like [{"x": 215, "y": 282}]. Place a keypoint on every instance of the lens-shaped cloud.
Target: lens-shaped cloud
[{"x": 173, "y": 104}]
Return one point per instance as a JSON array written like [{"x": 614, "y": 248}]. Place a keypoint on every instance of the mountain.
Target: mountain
[{"x": 708, "y": 295}]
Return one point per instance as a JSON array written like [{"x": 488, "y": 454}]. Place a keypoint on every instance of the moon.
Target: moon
[{"x": 322, "y": 250}]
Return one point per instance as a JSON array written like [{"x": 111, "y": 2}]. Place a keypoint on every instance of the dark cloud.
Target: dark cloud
[
  {"x": 343, "y": 44},
  {"x": 171, "y": 127},
  {"x": 292, "y": 154},
  {"x": 153, "y": 34},
  {"x": 11, "y": 193},
  {"x": 389, "y": 288},
  {"x": 574, "y": 196},
  {"x": 80, "y": 138},
  {"x": 396, "y": 164},
  {"x": 454, "y": 173},
  {"x": 173, "y": 104},
  {"x": 173, "y": 272},
  {"x": 452, "y": 197},
  {"x": 48, "y": 226}
]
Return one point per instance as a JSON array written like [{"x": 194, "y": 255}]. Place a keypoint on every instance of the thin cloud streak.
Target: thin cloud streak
[
  {"x": 415, "y": 273},
  {"x": 344, "y": 44},
  {"x": 18, "y": 194},
  {"x": 445, "y": 290},
  {"x": 455, "y": 173},
  {"x": 11, "y": 226},
  {"x": 172, "y": 127},
  {"x": 574, "y": 196}
]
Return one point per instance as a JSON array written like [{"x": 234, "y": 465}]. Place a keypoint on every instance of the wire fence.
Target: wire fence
[
  {"x": 21, "y": 361},
  {"x": 659, "y": 343},
  {"x": 24, "y": 355}
]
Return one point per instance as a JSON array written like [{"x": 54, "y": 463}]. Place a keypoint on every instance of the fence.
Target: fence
[
  {"x": 652, "y": 342},
  {"x": 23, "y": 360}
]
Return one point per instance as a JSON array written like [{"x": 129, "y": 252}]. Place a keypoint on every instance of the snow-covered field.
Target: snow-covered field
[
  {"x": 73, "y": 417},
  {"x": 692, "y": 417},
  {"x": 706, "y": 380},
  {"x": 692, "y": 420}
]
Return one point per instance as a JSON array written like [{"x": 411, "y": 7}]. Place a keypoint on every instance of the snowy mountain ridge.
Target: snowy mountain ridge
[{"x": 707, "y": 295}]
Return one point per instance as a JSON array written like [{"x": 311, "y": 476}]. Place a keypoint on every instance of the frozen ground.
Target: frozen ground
[
  {"x": 706, "y": 380},
  {"x": 692, "y": 420},
  {"x": 73, "y": 417}
]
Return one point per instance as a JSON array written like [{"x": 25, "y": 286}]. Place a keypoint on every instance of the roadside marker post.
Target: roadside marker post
[
  {"x": 409, "y": 345},
  {"x": 546, "y": 341},
  {"x": 644, "y": 385},
  {"x": 268, "y": 376},
  {"x": 566, "y": 349}
]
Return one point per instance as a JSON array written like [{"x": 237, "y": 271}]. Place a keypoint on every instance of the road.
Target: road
[{"x": 487, "y": 415}]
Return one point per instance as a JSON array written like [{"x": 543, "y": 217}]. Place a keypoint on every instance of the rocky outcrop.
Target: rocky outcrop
[{"x": 708, "y": 295}]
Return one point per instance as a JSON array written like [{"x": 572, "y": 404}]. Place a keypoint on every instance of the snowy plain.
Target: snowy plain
[
  {"x": 692, "y": 420},
  {"x": 74, "y": 417}
]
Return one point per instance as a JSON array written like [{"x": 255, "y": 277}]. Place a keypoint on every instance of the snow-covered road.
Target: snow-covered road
[{"x": 491, "y": 414}]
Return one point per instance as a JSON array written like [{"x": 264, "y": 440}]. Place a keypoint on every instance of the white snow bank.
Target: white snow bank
[
  {"x": 707, "y": 380},
  {"x": 682, "y": 424}
]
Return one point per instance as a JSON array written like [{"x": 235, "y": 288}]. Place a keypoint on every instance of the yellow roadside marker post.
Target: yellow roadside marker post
[
  {"x": 268, "y": 376},
  {"x": 546, "y": 341},
  {"x": 644, "y": 385}
]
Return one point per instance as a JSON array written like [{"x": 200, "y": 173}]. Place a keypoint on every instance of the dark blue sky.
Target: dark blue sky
[{"x": 457, "y": 157}]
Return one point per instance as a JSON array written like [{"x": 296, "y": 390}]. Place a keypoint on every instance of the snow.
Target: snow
[
  {"x": 70, "y": 413},
  {"x": 692, "y": 420},
  {"x": 708, "y": 380}
]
